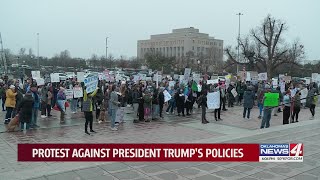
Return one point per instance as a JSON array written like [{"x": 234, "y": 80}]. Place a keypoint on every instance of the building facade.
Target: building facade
[{"x": 183, "y": 43}]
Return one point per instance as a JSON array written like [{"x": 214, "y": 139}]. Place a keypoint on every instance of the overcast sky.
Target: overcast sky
[{"x": 81, "y": 26}]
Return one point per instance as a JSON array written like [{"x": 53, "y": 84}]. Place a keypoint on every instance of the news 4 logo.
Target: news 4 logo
[{"x": 281, "y": 149}]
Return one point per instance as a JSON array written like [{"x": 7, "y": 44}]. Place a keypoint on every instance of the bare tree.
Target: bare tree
[{"x": 265, "y": 48}]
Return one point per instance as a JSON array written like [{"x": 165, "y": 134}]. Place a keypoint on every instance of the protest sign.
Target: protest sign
[
  {"x": 214, "y": 81},
  {"x": 77, "y": 92},
  {"x": 54, "y": 78},
  {"x": 274, "y": 83},
  {"x": 281, "y": 77},
  {"x": 69, "y": 93},
  {"x": 91, "y": 83},
  {"x": 148, "y": 79},
  {"x": 234, "y": 92},
  {"x": 271, "y": 99},
  {"x": 171, "y": 84},
  {"x": 157, "y": 77},
  {"x": 80, "y": 76},
  {"x": 282, "y": 87},
  {"x": 213, "y": 100},
  {"x": 175, "y": 76},
  {"x": 314, "y": 77},
  {"x": 187, "y": 72},
  {"x": 196, "y": 78},
  {"x": 199, "y": 87},
  {"x": 136, "y": 78},
  {"x": 248, "y": 78},
  {"x": 263, "y": 76},
  {"x": 167, "y": 96},
  {"x": 40, "y": 81},
  {"x": 287, "y": 78},
  {"x": 35, "y": 74}
]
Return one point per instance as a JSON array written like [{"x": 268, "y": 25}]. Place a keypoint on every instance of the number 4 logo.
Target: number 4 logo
[{"x": 296, "y": 149}]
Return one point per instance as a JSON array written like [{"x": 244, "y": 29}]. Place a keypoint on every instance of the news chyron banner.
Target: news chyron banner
[{"x": 161, "y": 152}]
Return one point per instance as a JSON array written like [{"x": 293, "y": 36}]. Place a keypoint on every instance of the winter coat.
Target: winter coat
[
  {"x": 44, "y": 94},
  {"x": 297, "y": 101},
  {"x": 135, "y": 96},
  {"x": 50, "y": 97},
  {"x": 25, "y": 109},
  {"x": 248, "y": 99},
  {"x": 36, "y": 98},
  {"x": 19, "y": 97},
  {"x": 161, "y": 98},
  {"x": 10, "y": 99},
  {"x": 180, "y": 98},
  {"x": 204, "y": 101},
  {"x": 114, "y": 100},
  {"x": 87, "y": 101}
]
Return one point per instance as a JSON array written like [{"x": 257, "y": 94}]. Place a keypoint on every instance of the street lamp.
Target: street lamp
[{"x": 38, "y": 62}]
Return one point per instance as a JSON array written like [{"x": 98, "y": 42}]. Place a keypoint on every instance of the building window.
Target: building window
[
  {"x": 211, "y": 43},
  {"x": 220, "y": 44},
  {"x": 202, "y": 49},
  {"x": 178, "y": 49},
  {"x": 192, "y": 48},
  {"x": 193, "y": 41},
  {"x": 198, "y": 49},
  {"x": 215, "y": 43}
]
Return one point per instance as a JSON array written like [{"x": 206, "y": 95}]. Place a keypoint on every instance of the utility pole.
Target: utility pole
[
  {"x": 3, "y": 57},
  {"x": 38, "y": 63},
  {"x": 239, "y": 14},
  {"x": 107, "y": 47}
]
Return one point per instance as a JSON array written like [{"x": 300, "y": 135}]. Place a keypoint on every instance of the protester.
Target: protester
[
  {"x": 114, "y": 105},
  {"x": 314, "y": 101},
  {"x": 180, "y": 99},
  {"x": 10, "y": 103},
  {"x": 3, "y": 89},
  {"x": 147, "y": 105},
  {"x": 161, "y": 101},
  {"x": 25, "y": 110},
  {"x": 172, "y": 101},
  {"x": 87, "y": 109},
  {"x": 248, "y": 101},
  {"x": 155, "y": 104},
  {"x": 50, "y": 97},
  {"x": 267, "y": 110},
  {"x": 141, "y": 105},
  {"x": 44, "y": 101},
  {"x": 135, "y": 102},
  {"x": 98, "y": 102},
  {"x": 296, "y": 107},
  {"x": 203, "y": 103},
  {"x": 61, "y": 100},
  {"x": 287, "y": 107},
  {"x": 74, "y": 101},
  {"x": 36, "y": 105},
  {"x": 231, "y": 98}
]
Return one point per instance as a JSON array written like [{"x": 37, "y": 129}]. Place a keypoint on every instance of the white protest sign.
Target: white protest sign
[
  {"x": 199, "y": 88},
  {"x": 234, "y": 92},
  {"x": 187, "y": 72},
  {"x": 77, "y": 92},
  {"x": 54, "y": 78},
  {"x": 91, "y": 83},
  {"x": 248, "y": 78},
  {"x": 171, "y": 84},
  {"x": 314, "y": 77},
  {"x": 214, "y": 81},
  {"x": 282, "y": 87},
  {"x": 69, "y": 93},
  {"x": 101, "y": 77},
  {"x": 213, "y": 100},
  {"x": 308, "y": 81},
  {"x": 157, "y": 78},
  {"x": 274, "y": 83},
  {"x": 35, "y": 74},
  {"x": 167, "y": 96},
  {"x": 175, "y": 76},
  {"x": 196, "y": 78},
  {"x": 136, "y": 78},
  {"x": 80, "y": 76},
  {"x": 304, "y": 94},
  {"x": 281, "y": 77},
  {"x": 263, "y": 76},
  {"x": 40, "y": 81},
  {"x": 148, "y": 79}
]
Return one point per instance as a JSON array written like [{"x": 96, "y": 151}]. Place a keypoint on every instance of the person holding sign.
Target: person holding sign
[
  {"x": 87, "y": 108},
  {"x": 268, "y": 101}
]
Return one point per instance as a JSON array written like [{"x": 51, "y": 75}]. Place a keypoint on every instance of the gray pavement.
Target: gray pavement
[{"x": 172, "y": 129}]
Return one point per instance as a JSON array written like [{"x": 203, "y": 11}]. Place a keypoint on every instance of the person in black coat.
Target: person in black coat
[
  {"x": 25, "y": 110},
  {"x": 204, "y": 107},
  {"x": 180, "y": 98},
  {"x": 161, "y": 101}
]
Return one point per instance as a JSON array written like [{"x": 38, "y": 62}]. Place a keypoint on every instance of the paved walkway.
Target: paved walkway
[{"x": 172, "y": 129}]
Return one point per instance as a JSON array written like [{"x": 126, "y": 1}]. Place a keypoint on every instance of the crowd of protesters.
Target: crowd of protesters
[{"x": 148, "y": 100}]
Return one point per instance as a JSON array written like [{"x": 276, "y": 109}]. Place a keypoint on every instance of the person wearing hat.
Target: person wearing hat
[
  {"x": 25, "y": 110},
  {"x": 10, "y": 103}
]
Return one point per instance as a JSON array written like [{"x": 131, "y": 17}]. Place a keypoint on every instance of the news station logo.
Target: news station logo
[{"x": 281, "y": 152}]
